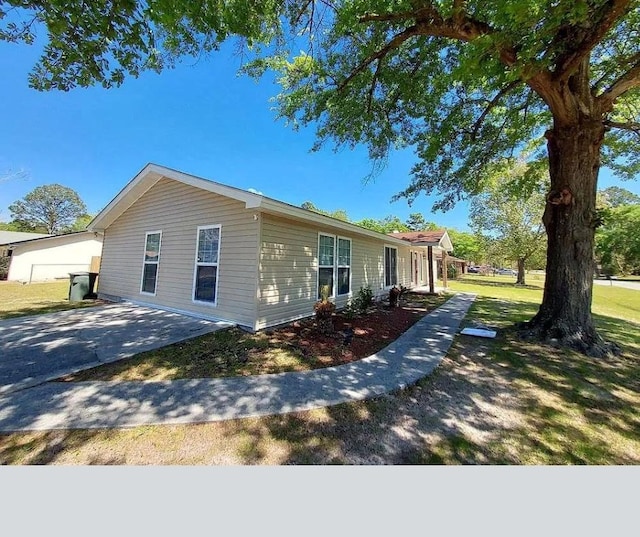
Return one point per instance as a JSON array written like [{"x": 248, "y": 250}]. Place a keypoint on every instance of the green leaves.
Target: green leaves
[
  {"x": 618, "y": 240},
  {"x": 51, "y": 207},
  {"x": 510, "y": 223}
]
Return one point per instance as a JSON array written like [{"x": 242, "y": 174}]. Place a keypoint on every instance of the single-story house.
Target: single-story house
[
  {"x": 187, "y": 244},
  {"x": 52, "y": 256}
]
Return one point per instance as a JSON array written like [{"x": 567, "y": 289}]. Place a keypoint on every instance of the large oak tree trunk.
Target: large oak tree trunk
[{"x": 569, "y": 218}]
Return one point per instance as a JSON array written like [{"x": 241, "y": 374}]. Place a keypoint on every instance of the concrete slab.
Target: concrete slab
[
  {"x": 82, "y": 405},
  {"x": 39, "y": 348}
]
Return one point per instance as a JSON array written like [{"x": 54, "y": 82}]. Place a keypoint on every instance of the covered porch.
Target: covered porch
[{"x": 427, "y": 249}]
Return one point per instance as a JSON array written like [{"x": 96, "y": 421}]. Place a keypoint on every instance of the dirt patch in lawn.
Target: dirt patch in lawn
[{"x": 298, "y": 346}]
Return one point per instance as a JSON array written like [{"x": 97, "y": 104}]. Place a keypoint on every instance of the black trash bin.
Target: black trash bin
[{"x": 81, "y": 286}]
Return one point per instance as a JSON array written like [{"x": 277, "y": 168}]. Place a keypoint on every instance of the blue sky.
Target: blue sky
[{"x": 200, "y": 118}]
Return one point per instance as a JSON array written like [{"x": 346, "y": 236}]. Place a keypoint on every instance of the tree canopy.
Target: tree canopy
[
  {"x": 417, "y": 222},
  {"x": 52, "y": 208},
  {"x": 466, "y": 246},
  {"x": 614, "y": 196},
  {"x": 464, "y": 82},
  {"x": 339, "y": 214}
]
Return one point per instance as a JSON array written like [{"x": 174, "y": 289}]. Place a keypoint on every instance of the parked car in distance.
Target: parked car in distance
[
  {"x": 473, "y": 270},
  {"x": 506, "y": 272}
]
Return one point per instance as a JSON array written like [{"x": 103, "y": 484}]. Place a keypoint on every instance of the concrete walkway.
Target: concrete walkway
[{"x": 86, "y": 405}]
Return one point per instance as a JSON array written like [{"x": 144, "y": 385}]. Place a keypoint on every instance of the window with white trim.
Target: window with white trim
[
  {"x": 326, "y": 265},
  {"x": 344, "y": 266},
  {"x": 334, "y": 265},
  {"x": 150, "y": 262},
  {"x": 205, "y": 279},
  {"x": 390, "y": 266}
]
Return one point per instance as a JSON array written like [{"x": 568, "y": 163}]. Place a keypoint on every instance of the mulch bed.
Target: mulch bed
[{"x": 354, "y": 338}]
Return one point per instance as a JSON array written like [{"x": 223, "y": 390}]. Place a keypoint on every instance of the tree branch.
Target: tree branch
[
  {"x": 567, "y": 64},
  {"x": 629, "y": 126},
  {"x": 373, "y": 85},
  {"x": 391, "y": 45},
  {"x": 629, "y": 80},
  {"x": 387, "y": 17},
  {"x": 490, "y": 106}
]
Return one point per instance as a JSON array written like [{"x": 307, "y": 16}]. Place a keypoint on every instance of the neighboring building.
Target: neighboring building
[
  {"x": 52, "y": 256},
  {"x": 186, "y": 244},
  {"x": 7, "y": 237}
]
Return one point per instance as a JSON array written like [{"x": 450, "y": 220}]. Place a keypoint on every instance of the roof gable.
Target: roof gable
[
  {"x": 152, "y": 173},
  {"x": 148, "y": 177}
]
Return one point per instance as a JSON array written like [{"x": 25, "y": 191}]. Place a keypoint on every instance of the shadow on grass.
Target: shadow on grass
[{"x": 567, "y": 409}]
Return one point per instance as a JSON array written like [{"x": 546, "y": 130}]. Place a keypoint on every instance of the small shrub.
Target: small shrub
[
  {"x": 364, "y": 299},
  {"x": 360, "y": 303},
  {"x": 395, "y": 294},
  {"x": 324, "y": 310},
  {"x": 351, "y": 310}
]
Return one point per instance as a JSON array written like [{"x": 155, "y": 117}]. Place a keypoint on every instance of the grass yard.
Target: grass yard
[
  {"x": 491, "y": 401},
  {"x": 610, "y": 301},
  {"x": 17, "y": 300}
]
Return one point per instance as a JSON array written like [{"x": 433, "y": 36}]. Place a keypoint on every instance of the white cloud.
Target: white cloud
[{"x": 254, "y": 191}]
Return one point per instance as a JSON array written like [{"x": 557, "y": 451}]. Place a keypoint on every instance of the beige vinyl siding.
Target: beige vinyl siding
[
  {"x": 177, "y": 210},
  {"x": 287, "y": 276}
]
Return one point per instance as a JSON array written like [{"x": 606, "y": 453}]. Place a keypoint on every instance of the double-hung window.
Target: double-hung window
[
  {"x": 334, "y": 266},
  {"x": 205, "y": 279},
  {"x": 150, "y": 262},
  {"x": 326, "y": 264},
  {"x": 390, "y": 266},
  {"x": 344, "y": 266}
]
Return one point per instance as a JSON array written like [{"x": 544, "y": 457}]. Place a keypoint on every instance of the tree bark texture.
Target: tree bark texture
[
  {"x": 569, "y": 218},
  {"x": 520, "y": 278}
]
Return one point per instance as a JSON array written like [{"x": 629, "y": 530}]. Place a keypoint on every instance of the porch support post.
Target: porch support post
[
  {"x": 432, "y": 288},
  {"x": 444, "y": 268}
]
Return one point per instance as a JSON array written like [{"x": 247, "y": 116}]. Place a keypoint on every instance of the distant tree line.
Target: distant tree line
[{"x": 52, "y": 209}]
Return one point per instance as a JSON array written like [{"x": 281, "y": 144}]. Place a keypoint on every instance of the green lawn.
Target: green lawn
[
  {"x": 17, "y": 300},
  {"x": 607, "y": 300}
]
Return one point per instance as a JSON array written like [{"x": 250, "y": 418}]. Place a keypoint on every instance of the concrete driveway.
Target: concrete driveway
[{"x": 40, "y": 348}]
